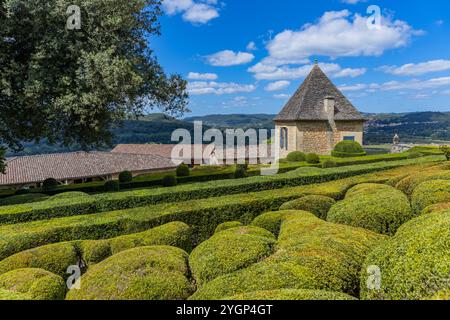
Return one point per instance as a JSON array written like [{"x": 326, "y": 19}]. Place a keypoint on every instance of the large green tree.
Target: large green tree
[{"x": 72, "y": 86}]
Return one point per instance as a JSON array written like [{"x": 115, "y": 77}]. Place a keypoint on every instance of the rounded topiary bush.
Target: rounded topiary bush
[
  {"x": 183, "y": 170},
  {"x": 346, "y": 149},
  {"x": 169, "y": 181},
  {"x": 379, "y": 208},
  {"x": 415, "y": 263},
  {"x": 408, "y": 184},
  {"x": 310, "y": 254},
  {"x": 12, "y": 295},
  {"x": 240, "y": 172},
  {"x": 112, "y": 186},
  {"x": 55, "y": 258},
  {"x": 429, "y": 193},
  {"x": 38, "y": 284},
  {"x": 145, "y": 273},
  {"x": 329, "y": 163},
  {"x": 125, "y": 177},
  {"x": 229, "y": 251},
  {"x": 49, "y": 184},
  {"x": 319, "y": 205},
  {"x": 292, "y": 294},
  {"x": 228, "y": 225},
  {"x": 312, "y": 158},
  {"x": 296, "y": 156}
]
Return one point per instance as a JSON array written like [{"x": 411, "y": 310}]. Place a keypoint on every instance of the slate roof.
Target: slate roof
[
  {"x": 308, "y": 101},
  {"x": 77, "y": 165}
]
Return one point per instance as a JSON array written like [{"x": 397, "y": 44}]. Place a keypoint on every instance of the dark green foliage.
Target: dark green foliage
[
  {"x": 296, "y": 156},
  {"x": 112, "y": 186},
  {"x": 380, "y": 208},
  {"x": 183, "y": 170},
  {"x": 312, "y": 158},
  {"x": 83, "y": 81},
  {"x": 228, "y": 225},
  {"x": 229, "y": 251},
  {"x": 125, "y": 177},
  {"x": 345, "y": 149},
  {"x": 429, "y": 193},
  {"x": 319, "y": 205},
  {"x": 49, "y": 184},
  {"x": 55, "y": 258},
  {"x": 37, "y": 284},
  {"x": 414, "y": 155},
  {"x": 21, "y": 192},
  {"x": 446, "y": 151},
  {"x": 24, "y": 198},
  {"x": 415, "y": 263},
  {"x": 329, "y": 163},
  {"x": 169, "y": 181},
  {"x": 146, "y": 273},
  {"x": 2, "y": 160},
  {"x": 240, "y": 172}
]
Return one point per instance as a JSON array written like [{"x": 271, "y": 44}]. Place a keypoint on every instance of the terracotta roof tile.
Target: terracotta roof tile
[{"x": 77, "y": 165}]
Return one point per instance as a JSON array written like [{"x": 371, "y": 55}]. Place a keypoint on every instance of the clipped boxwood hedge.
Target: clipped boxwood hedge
[
  {"x": 37, "y": 284},
  {"x": 319, "y": 205},
  {"x": 296, "y": 156},
  {"x": 229, "y": 251},
  {"x": 380, "y": 208},
  {"x": 291, "y": 294},
  {"x": 13, "y": 295},
  {"x": 146, "y": 273},
  {"x": 56, "y": 258},
  {"x": 415, "y": 263},
  {"x": 23, "y": 198},
  {"x": 408, "y": 184},
  {"x": 203, "y": 215},
  {"x": 310, "y": 254},
  {"x": 138, "y": 198},
  {"x": 228, "y": 225},
  {"x": 430, "y": 193}
]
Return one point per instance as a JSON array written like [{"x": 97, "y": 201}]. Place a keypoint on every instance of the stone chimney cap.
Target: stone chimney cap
[{"x": 329, "y": 98}]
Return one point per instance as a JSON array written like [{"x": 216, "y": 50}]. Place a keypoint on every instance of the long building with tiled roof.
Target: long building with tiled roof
[{"x": 74, "y": 167}]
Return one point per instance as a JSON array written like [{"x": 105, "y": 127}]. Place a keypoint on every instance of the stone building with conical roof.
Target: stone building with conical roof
[{"x": 317, "y": 117}]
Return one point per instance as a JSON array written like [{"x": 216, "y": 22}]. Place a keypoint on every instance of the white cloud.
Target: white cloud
[
  {"x": 195, "y": 12},
  {"x": 340, "y": 34},
  {"x": 229, "y": 58},
  {"x": 282, "y": 96},
  {"x": 218, "y": 88},
  {"x": 278, "y": 85},
  {"x": 251, "y": 46},
  {"x": 202, "y": 76},
  {"x": 268, "y": 72},
  {"x": 399, "y": 85},
  {"x": 415, "y": 69}
]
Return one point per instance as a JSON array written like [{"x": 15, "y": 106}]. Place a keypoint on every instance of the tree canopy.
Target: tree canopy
[{"x": 72, "y": 86}]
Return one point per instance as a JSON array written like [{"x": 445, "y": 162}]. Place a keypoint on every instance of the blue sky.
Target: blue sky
[{"x": 249, "y": 56}]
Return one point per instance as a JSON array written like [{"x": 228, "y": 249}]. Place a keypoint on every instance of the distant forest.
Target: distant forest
[{"x": 420, "y": 127}]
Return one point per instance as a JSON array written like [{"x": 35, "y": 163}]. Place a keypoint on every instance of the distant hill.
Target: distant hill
[{"x": 419, "y": 127}]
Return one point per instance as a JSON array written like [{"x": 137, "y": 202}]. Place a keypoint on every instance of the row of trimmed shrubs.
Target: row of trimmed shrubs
[
  {"x": 203, "y": 215},
  {"x": 124, "y": 200},
  {"x": 310, "y": 254}
]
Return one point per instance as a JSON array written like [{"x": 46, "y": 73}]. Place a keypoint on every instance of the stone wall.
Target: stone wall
[{"x": 317, "y": 136}]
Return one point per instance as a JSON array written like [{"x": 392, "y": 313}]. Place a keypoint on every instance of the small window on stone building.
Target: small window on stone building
[
  {"x": 349, "y": 138},
  {"x": 284, "y": 138}
]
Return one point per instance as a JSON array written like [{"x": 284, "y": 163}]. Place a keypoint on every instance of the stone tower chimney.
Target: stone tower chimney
[{"x": 329, "y": 104}]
